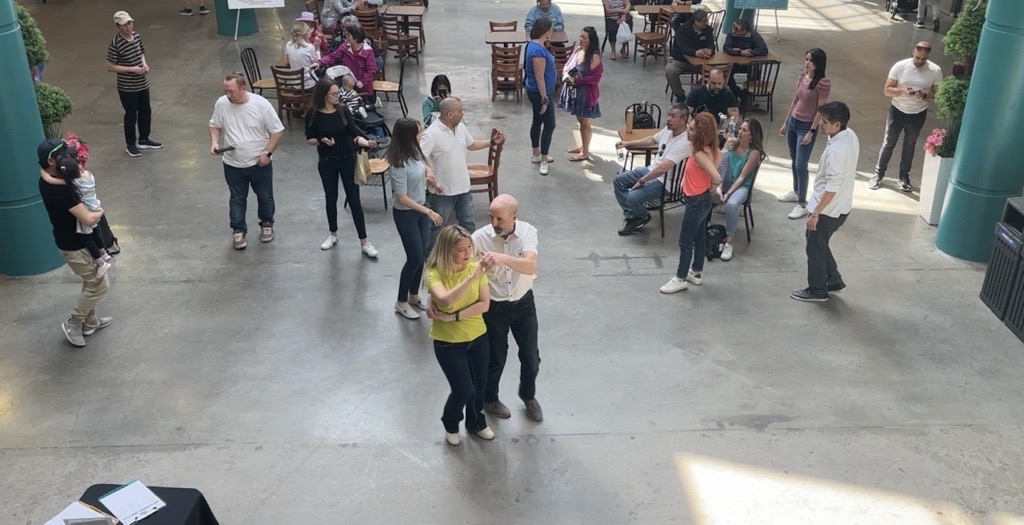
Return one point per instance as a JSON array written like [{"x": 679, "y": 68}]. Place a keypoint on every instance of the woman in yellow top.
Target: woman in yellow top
[{"x": 459, "y": 295}]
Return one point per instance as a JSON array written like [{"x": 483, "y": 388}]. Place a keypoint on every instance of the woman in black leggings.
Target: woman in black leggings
[
  {"x": 540, "y": 84},
  {"x": 330, "y": 127}
]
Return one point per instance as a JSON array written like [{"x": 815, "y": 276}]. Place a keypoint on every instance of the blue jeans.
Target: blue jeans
[
  {"x": 632, "y": 201},
  {"x": 693, "y": 232},
  {"x": 732, "y": 209},
  {"x": 541, "y": 138},
  {"x": 800, "y": 155},
  {"x": 261, "y": 178},
  {"x": 465, "y": 367},
  {"x": 413, "y": 228},
  {"x": 444, "y": 205}
]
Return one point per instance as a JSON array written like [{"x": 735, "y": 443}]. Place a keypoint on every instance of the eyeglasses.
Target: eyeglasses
[
  {"x": 57, "y": 148},
  {"x": 332, "y": 93},
  {"x": 922, "y": 48}
]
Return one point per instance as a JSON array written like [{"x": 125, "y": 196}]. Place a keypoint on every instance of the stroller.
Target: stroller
[{"x": 367, "y": 119}]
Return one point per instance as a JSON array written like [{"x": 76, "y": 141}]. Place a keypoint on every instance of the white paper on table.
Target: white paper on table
[
  {"x": 132, "y": 502},
  {"x": 76, "y": 510}
]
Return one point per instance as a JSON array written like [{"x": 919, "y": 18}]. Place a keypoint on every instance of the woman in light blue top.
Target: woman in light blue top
[
  {"x": 410, "y": 178},
  {"x": 741, "y": 159}
]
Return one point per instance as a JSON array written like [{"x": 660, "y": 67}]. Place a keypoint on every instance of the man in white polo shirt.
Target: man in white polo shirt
[
  {"x": 635, "y": 187},
  {"x": 444, "y": 145},
  {"x": 830, "y": 202},
  {"x": 912, "y": 81},
  {"x": 513, "y": 245}
]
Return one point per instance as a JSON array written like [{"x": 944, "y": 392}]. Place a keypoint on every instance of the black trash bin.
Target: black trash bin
[{"x": 1003, "y": 274}]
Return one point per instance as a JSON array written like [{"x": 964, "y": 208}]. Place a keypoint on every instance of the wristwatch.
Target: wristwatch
[{"x": 269, "y": 154}]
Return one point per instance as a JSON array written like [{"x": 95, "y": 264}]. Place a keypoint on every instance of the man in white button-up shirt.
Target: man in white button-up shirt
[
  {"x": 513, "y": 245},
  {"x": 830, "y": 202},
  {"x": 444, "y": 145}
]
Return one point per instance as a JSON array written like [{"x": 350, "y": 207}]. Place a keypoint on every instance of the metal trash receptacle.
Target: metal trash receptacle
[{"x": 1002, "y": 275}]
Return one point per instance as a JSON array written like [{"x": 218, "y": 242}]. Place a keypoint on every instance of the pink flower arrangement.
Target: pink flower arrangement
[
  {"x": 82, "y": 150},
  {"x": 934, "y": 143}
]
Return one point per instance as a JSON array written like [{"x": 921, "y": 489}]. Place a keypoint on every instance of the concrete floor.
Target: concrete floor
[{"x": 279, "y": 382}]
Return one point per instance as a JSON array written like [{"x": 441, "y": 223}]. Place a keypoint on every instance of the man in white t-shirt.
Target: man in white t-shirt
[
  {"x": 830, "y": 202},
  {"x": 445, "y": 145},
  {"x": 248, "y": 124},
  {"x": 912, "y": 81},
  {"x": 635, "y": 187}
]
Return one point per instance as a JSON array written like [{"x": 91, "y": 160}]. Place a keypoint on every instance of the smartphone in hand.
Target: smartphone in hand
[{"x": 225, "y": 149}]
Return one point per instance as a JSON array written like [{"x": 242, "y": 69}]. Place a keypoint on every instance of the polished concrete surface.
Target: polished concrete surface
[{"x": 279, "y": 382}]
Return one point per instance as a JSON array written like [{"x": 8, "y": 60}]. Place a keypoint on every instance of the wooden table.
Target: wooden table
[
  {"x": 638, "y": 134},
  {"x": 519, "y": 37},
  {"x": 721, "y": 57},
  {"x": 402, "y": 11},
  {"x": 653, "y": 10}
]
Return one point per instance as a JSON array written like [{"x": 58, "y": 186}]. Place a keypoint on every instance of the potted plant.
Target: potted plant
[
  {"x": 54, "y": 106},
  {"x": 35, "y": 44}
]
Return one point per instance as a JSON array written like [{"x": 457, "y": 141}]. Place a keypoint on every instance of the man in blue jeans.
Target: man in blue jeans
[
  {"x": 635, "y": 187},
  {"x": 245, "y": 129},
  {"x": 445, "y": 145}
]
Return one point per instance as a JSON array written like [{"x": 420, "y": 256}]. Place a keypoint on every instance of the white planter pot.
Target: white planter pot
[{"x": 934, "y": 181}]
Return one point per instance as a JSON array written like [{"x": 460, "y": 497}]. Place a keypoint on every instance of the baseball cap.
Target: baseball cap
[
  {"x": 122, "y": 17},
  {"x": 50, "y": 147}
]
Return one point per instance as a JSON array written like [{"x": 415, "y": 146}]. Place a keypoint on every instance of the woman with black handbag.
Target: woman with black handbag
[
  {"x": 580, "y": 93},
  {"x": 331, "y": 128}
]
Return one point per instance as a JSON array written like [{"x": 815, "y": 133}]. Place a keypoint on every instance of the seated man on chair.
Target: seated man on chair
[
  {"x": 695, "y": 38},
  {"x": 640, "y": 185},
  {"x": 743, "y": 41},
  {"x": 713, "y": 97}
]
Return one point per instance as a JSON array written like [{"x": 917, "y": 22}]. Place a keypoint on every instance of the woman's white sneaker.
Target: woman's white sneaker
[
  {"x": 789, "y": 197},
  {"x": 406, "y": 311},
  {"x": 798, "y": 212},
  {"x": 331, "y": 242},
  {"x": 544, "y": 168},
  {"x": 485, "y": 433},
  {"x": 727, "y": 251},
  {"x": 673, "y": 285},
  {"x": 369, "y": 250},
  {"x": 693, "y": 278}
]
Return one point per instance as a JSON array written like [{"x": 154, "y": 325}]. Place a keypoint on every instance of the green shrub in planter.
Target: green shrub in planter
[
  {"x": 965, "y": 33},
  {"x": 54, "y": 106},
  {"x": 35, "y": 44},
  {"x": 950, "y": 99}
]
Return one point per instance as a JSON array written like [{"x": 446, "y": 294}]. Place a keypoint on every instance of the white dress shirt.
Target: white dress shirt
[
  {"x": 445, "y": 151},
  {"x": 507, "y": 284},
  {"x": 837, "y": 170}
]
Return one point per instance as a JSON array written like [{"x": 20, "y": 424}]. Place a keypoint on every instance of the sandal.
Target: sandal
[
  {"x": 613, "y": 55},
  {"x": 578, "y": 149},
  {"x": 578, "y": 157}
]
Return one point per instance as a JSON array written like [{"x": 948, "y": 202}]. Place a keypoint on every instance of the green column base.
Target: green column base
[
  {"x": 970, "y": 236},
  {"x": 226, "y": 20},
  {"x": 28, "y": 247}
]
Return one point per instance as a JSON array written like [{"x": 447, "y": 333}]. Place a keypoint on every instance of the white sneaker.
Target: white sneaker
[
  {"x": 544, "y": 168},
  {"x": 798, "y": 211},
  {"x": 789, "y": 197},
  {"x": 536, "y": 159},
  {"x": 452, "y": 439},
  {"x": 420, "y": 303},
  {"x": 331, "y": 242},
  {"x": 727, "y": 251},
  {"x": 370, "y": 251},
  {"x": 406, "y": 312},
  {"x": 673, "y": 285},
  {"x": 485, "y": 433},
  {"x": 693, "y": 278}
]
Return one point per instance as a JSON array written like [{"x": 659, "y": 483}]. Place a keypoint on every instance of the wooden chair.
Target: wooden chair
[
  {"x": 394, "y": 39},
  {"x": 483, "y": 178},
  {"x": 562, "y": 54},
  {"x": 314, "y": 7},
  {"x": 715, "y": 19},
  {"x": 415, "y": 22},
  {"x": 292, "y": 95},
  {"x": 252, "y": 73},
  {"x": 369, "y": 20},
  {"x": 671, "y": 193},
  {"x": 510, "y": 25},
  {"x": 391, "y": 88},
  {"x": 507, "y": 71},
  {"x": 654, "y": 42},
  {"x": 761, "y": 78}
]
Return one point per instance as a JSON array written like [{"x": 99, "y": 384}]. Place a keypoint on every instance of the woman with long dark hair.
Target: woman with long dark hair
[
  {"x": 410, "y": 178},
  {"x": 741, "y": 159},
  {"x": 580, "y": 91},
  {"x": 801, "y": 127},
  {"x": 540, "y": 84},
  {"x": 330, "y": 127},
  {"x": 700, "y": 177},
  {"x": 440, "y": 89}
]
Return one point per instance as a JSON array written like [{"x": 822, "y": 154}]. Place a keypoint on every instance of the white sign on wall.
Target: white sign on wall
[{"x": 254, "y": 4}]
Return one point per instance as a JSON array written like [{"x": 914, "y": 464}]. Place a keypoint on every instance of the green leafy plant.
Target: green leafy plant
[
  {"x": 35, "y": 44},
  {"x": 54, "y": 106},
  {"x": 965, "y": 33},
  {"x": 951, "y": 98}
]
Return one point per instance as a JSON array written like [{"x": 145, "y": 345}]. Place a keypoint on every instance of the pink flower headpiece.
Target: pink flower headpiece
[{"x": 81, "y": 149}]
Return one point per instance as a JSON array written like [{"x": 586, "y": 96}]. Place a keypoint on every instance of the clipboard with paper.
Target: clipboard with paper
[{"x": 132, "y": 502}]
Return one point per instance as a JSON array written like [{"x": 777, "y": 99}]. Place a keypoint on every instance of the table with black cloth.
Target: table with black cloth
[{"x": 184, "y": 506}]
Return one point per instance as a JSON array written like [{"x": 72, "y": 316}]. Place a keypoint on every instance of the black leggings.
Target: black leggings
[
  {"x": 611, "y": 28},
  {"x": 330, "y": 169},
  {"x": 541, "y": 138}
]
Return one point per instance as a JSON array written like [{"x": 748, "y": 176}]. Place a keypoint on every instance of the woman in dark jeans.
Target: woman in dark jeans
[
  {"x": 459, "y": 296},
  {"x": 540, "y": 84},
  {"x": 700, "y": 178},
  {"x": 410, "y": 178},
  {"x": 330, "y": 127},
  {"x": 801, "y": 127}
]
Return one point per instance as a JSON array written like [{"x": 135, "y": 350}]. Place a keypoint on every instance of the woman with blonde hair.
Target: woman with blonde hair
[
  {"x": 301, "y": 54},
  {"x": 459, "y": 296},
  {"x": 700, "y": 177}
]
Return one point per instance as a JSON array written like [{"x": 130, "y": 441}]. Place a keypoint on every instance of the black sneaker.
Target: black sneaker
[
  {"x": 203, "y": 10},
  {"x": 631, "y": 226},
  {"x": 905, "y": 185},
  {"x": 808, "y": 296},
  {"x": 643, "y": 222},
  {"x": 836, "y": 288},
  {"x": 132, "y": 150},
  {"x": 150, "y": 144},
  {"x": 186, "y": 12},
  {"x": 114, "y": 248}
]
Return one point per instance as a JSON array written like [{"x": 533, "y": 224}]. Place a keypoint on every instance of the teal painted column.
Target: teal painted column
[
  {"x": 226, "y": 20},
  {"x": 732, "y": 14},
  {"x": 988, "y": 166},
  {"x": 26, "y": 247}
]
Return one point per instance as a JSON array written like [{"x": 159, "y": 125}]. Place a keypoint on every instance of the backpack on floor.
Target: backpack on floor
[{"x": 715, "y": 239}]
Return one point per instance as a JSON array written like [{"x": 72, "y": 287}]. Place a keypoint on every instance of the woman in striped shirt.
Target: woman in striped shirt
[{"x": 617, "y": 11}]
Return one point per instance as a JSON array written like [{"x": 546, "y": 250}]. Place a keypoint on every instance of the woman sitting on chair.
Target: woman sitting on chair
[
  {"x": 440, "y": 89},
  {"x": 739, "y": 167},
  {"x": 356, "y": 55}
]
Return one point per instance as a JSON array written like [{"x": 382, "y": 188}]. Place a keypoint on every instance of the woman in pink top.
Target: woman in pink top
[
  {"x": 700, "y": 176},
  {"x": 801, "y": 128},
  {"x": 354, "y": 54}
]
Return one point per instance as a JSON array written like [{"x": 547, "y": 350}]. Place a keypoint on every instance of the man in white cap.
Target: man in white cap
[{"x": 126, "y": 56}]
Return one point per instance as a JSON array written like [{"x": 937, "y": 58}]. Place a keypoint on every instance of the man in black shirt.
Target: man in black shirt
[
  {"x": 66, "y": 209},
  {"x": 714, "y": 97},
  {"x": 695, "y": 38}
]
